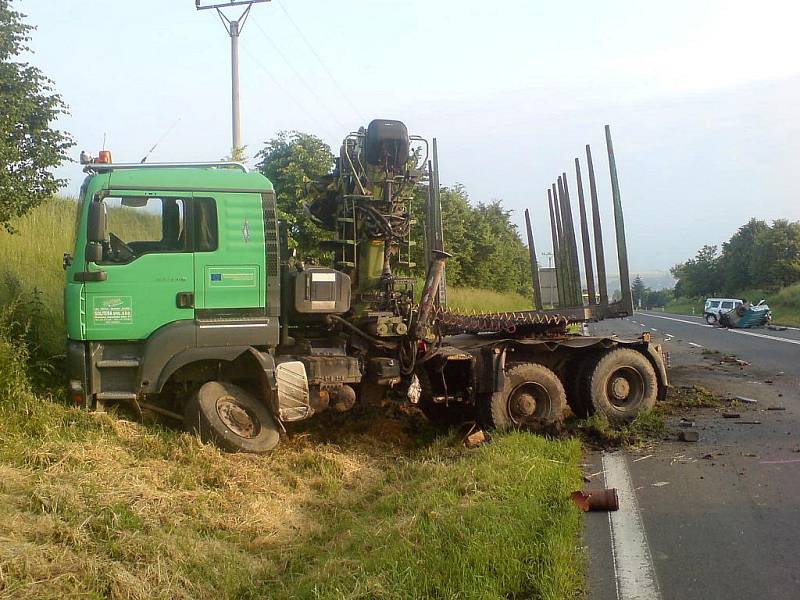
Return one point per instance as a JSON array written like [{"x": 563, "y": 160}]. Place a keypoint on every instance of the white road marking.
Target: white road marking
[
  {"x": 633, "y": 561},
  {"x": 695, "y": 345},
  {"x": 653, "y": 329},
  {"x": 680, "y": 320},
  {"x": 766, "y": 337}
]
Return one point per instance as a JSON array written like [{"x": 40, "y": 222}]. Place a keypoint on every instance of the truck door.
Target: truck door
[
  {"x": 229, "y": 256},
  {"x": 148, "y": 262}
]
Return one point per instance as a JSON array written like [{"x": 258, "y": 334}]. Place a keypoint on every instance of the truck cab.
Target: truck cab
[{"x": 172, "y": 265}]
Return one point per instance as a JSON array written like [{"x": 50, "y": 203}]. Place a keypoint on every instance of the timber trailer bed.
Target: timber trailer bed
[
  {"x": 205, "y": 316},
  {"x": 522, "y": 368}
]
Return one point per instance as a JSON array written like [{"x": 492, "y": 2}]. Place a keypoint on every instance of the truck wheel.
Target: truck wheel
[
  {"x": 438, "y": 413},
  {"x": 532, "y": 395},
  {"x": 622, "y": 385},
  {"x": 575, "y": 384},
  {"x": 711, "y": 319},
  {"x": 232, "y": 418}
]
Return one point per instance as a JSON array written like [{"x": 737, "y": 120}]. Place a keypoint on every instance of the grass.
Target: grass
[
  {"x": 784, "y": 303},
  {"x": 94, "y": 506},
  {"x": 30, "y": 266},
  {"x": 468, "y": 299},
  {"x": 379, "y": 506}
]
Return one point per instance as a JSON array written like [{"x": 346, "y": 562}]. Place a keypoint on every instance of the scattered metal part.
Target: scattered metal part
[
  {"x": 776, "y": 408},
  {"x": 596, "y": 500},
  {"x": 686, "y": 423},
  {"x": 477, "y": 438},
  {"x": 729, "y": 415},
  {"x": 746, "y": 400},
  {"x": 748, "y": 422},
  {"x": 688, "y": 436}
]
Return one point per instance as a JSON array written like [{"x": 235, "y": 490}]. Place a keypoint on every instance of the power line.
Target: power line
[
  {"x": 308, "y": 87},
  {"x": 320, "y": 61},
  {"x": 291, "y": 96}
]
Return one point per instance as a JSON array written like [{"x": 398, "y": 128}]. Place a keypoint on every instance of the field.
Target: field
[
  {"x": 383, "y": 506},
  {"x": 784, "y": 303}
]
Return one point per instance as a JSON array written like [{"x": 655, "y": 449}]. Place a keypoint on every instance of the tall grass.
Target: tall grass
[
  {"x": 486, "y": 300},
  {"x": 31, "y": 275}
]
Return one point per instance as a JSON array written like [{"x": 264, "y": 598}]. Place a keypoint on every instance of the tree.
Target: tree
[
  {"x": 29, "y": 144},
  {"x": 638, "y": 291},
  {"x": 775, "y": 260},
  {"x": 698, "y": 276},
  {"x": 736, "y": 261},
  {"x": 289, "y": 160},
  {"x": 656, "y": 298}
]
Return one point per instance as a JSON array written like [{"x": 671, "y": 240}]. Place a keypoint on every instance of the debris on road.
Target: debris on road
[
  {"x": 748, "y": 422},
  {"x": 776, "y": 408},
  {"x": 688, "y": 436},
  {"x": 686, "y": 423},
  {"x": 746, "y": 400},
  {"x": 730, "y": 415},
  {"x": 596, "y": 500},
  {"x": 660, "y": 483},
  {"x": 730, "y": 359}
]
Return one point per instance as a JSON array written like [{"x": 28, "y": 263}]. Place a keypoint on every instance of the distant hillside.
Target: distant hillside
[{"x": 655, "y": 280}]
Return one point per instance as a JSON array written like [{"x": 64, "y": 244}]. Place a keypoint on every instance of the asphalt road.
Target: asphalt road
[
  {"x": 721, "y": 517},
  {"x": 764, "y": 347}
]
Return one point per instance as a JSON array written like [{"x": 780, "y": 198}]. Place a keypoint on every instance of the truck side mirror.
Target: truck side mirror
[
  {"x": 93, "y": 252},
  {"x": 96, "y": 222}
]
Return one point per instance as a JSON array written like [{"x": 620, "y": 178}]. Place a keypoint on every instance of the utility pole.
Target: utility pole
[{"x": 234, "y": 29}]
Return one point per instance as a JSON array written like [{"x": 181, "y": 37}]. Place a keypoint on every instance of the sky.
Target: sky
[{"x": 703, "y": 97}]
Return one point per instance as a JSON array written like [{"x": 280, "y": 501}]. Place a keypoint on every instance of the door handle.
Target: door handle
[
  {"x": 83, "y": 276},
  {"x": 184, "y": 300}
]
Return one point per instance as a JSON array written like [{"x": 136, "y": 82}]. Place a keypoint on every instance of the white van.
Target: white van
[{"x": 715, "y": 307}]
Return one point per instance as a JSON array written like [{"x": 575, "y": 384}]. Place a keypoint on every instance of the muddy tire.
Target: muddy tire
[
  {"x": 622, "y": 384},
  {"x": 231, "y": 418},
  {"x": 438, "y": 413},
  {"x": 576, "y": 386},
  {"x": 532, "y": 397},
  {"x": 711, "y": 319}
]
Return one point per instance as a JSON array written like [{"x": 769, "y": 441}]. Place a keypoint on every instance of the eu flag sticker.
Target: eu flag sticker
[{"x": 216, "y": 277}]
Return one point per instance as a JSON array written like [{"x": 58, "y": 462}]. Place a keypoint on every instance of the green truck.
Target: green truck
[{"x": 182, "y": 298}]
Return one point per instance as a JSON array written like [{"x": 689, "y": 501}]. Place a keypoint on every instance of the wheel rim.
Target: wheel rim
[
  {"x": 238, "y": 418},
  {"x": 625, "y": 387},
  {"x": 527, "y": 401}
]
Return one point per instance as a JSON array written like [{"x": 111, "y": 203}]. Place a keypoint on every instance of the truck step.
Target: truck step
[
  {"x": 102, "y": 396},
  {"x": 121, "y": 363}
]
